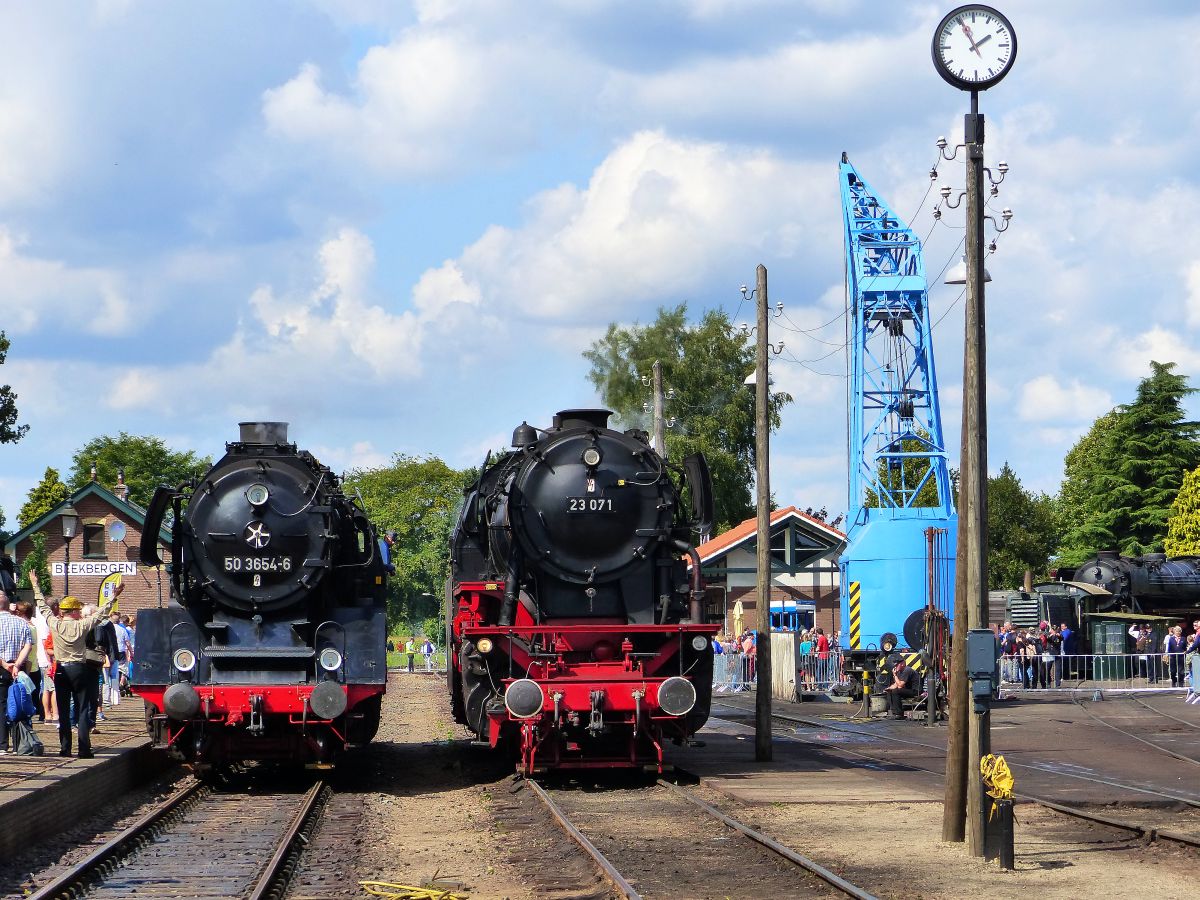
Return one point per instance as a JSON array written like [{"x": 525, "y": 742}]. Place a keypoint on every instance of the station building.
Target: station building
[
  {"x": 106, "y": 535},
  {"x": 805, "y": 581}
]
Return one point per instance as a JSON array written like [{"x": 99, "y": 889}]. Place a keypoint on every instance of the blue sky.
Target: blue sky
[{"x": 398, "y": 226}]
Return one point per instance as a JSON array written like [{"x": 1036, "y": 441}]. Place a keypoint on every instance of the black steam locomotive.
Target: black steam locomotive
[
  {"x": 575, "y": 634},
  {"x": 273, "y": 645},
  {"x": 1143, "y": 584}
]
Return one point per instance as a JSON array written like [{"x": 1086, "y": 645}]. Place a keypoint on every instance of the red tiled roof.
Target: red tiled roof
[{"x": 749, "y": 528}]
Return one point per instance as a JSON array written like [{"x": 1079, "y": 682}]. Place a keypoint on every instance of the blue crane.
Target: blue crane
[{"x": 901, "y": 521}]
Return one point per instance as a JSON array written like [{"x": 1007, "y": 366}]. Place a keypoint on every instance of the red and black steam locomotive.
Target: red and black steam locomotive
[
  {"x": 575, "y": 635},
  {"x": 273, "y": 644}
]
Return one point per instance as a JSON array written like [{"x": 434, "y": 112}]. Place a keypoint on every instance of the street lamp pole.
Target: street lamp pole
[{"x": 70, "y": 522}]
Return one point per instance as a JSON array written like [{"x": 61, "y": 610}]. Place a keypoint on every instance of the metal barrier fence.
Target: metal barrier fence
[
  {"x": 1128, "y": 671},
  {"x": 734, "y": 672}
]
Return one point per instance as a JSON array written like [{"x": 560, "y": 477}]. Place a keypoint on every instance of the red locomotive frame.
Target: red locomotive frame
[{"x": 587, "y": 668}]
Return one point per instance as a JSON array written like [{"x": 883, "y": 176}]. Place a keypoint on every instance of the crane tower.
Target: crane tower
[{"x": 897, "y": 573}]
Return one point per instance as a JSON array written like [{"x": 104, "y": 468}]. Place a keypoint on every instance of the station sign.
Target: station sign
[{"x": 98, "y": 568}]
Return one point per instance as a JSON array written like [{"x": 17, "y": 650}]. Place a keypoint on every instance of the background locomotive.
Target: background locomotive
[
  {"x": 1144, "y": 584},
  {"x": 574, "y": 635},
  {"x": 273, "y": 645}
]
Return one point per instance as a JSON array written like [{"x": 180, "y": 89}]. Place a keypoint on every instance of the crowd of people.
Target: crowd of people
[
  {"x": 1041, "y": 657},
  {"x": 62, "y": 663},
  {"x": 818, "y": 660}
]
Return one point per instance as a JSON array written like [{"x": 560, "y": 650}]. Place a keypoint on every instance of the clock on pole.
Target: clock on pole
[{"x": 974, "y": 47}]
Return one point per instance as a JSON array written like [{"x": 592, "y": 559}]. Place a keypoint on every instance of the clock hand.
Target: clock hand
[
  {"x": 983, "y": 40},
  {"x": 967, "y": 31}
]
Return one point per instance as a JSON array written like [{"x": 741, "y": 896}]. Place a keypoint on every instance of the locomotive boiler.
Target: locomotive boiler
[
  {"x": 273, "y": 644},
  {"x": 1151, "y": 583},
  {"x": 575, "y": 630}
]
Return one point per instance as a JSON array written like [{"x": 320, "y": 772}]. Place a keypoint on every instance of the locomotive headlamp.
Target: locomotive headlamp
[
  {"x": 591, "y": 457},
  {"x": 330, "y": 660},
  {"x": 257, "y": 495},
  {"x": 676, "y": 696},
  {"x": 699, "y": 642},
  {"x": 184, "y": 660},
  {"x": 484, "y": 645}
]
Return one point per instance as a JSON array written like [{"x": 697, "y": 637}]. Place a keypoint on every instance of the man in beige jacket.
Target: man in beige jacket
[{"x": 76, "y": 678}]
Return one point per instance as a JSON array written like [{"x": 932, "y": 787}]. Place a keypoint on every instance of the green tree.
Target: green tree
[
  {"x": 418, "y": 498},
  {"x": 1156, "y": 447},
  {"x": 1124, "y": 474},
  {"x": 706, "y": 365},
  {"x": 36, "y": 565},
  {"x": 1022, "y": 530},
  {"x": 1087, "y": 520},
  {"x": 44, "y": 496},
  {"x": 1183, "y": 527},
  {"x": 10, "y": 431},
  {"x": 147, "y": 462}
]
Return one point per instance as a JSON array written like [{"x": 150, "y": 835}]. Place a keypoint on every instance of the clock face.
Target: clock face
[{"x": 974, "y": 47}]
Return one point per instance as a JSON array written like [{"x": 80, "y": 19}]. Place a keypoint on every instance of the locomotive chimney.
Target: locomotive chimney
[
  {"x": 582, "y": 418},
  {"x": 269, "y": 433}
]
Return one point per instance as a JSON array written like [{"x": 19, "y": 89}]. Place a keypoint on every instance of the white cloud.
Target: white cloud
[
  {"x": 1044, "y": 399},
  {"x": 36, "y": 292},
  {"x": 658, "y": 214},
  {"x": 428, "y": 101},
  {"x": 1133, "y": 355},
  {"x": 1191, "y": 301},
  {"x": 330, "y": 346}
]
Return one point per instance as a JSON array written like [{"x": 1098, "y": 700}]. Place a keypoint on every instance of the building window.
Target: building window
[
  {"x": 779, "y": 547},
  {"x": 93, "y": 541}
]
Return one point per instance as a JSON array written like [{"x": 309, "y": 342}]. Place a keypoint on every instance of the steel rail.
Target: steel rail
[
  {"x": 1153, "y": 834},
  {"x": 67, "y": 884},
  {"x": 610, "y": 871},
  {"x": 817, "y": 723},
  {"x": 1163, "y": 712},
  {"x": 786, "y": 852},
  {"x": 1130, "y": 734},
  {"x": 273, "y": 881}
]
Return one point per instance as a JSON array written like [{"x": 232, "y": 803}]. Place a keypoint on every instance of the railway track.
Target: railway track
[
  {"x": 200, "y": 843},
  {"x": 1149, "y": 832},
  {"x": 671, "y": 843}
]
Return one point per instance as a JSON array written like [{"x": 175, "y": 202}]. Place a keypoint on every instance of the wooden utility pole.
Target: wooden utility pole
[
  {"x": 962, "y": 762},
  {"x": 974, "y": 515},
  {"x": 762, "y": 434},
  {"x": 660, "y": 441}
]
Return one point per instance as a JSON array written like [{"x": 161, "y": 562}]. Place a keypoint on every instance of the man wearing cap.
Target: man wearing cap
[{"x": 76, "y": 678}]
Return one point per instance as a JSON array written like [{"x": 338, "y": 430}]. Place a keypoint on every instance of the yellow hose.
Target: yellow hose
[{"x": 407, "y": 892}]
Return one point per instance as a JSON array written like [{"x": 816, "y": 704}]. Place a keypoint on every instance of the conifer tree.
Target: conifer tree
[
  {"x": 1156, "y": 447},
  {"x": 1124, "y": 474},
  {"x": 1183, "y": 528}
]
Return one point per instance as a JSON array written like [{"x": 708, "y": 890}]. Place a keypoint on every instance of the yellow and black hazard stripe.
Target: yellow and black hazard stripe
[
  {"x": 855, "y": 615},
  {"x": 912, "y": 659}
]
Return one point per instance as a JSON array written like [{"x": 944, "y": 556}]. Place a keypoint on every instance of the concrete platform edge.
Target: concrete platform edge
[{"x": 38, "y": 808}]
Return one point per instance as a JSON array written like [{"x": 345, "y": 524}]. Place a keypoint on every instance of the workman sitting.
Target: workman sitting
[{"x": 904, "y": 684}]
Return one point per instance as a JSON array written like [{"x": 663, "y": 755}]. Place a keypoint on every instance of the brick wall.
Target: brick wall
[{"x": 141, "y": 586}]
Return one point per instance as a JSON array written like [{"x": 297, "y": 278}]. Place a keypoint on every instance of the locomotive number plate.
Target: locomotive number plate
[
  {"x": 590, "y": 505},
  {"x": 258, "y": 564}
]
